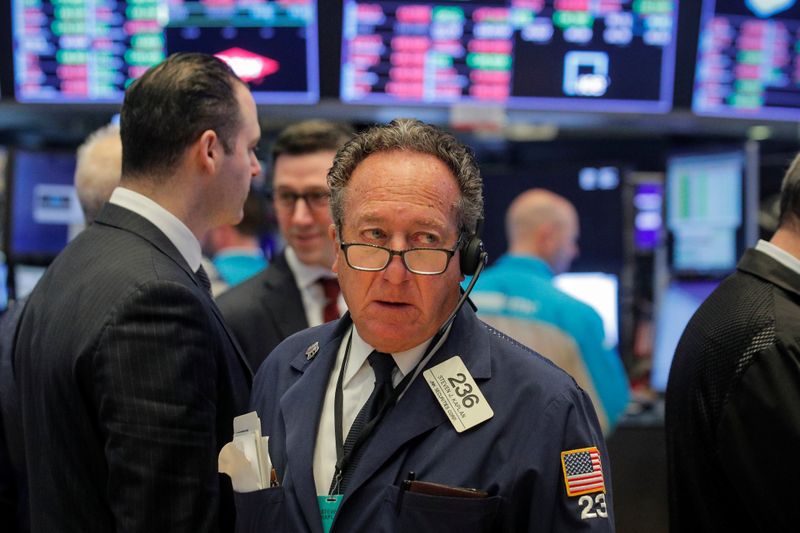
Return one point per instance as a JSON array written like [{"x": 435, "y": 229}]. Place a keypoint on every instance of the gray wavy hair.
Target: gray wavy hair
[{"x": 413, "y": 136}]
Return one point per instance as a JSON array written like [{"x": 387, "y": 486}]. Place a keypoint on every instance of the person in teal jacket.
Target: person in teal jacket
[{"x": 542, "y": 230}]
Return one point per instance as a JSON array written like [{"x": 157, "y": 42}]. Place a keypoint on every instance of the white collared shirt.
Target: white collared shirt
[
  {"x": 779, "y": 254},
  {"x": 175, "y": 230},
  {"x": 357, "y": 385},
  {"x": 311, "y": 292}
]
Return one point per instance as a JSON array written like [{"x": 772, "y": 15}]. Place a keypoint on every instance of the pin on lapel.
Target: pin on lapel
[{"x": 311, "y": 351}]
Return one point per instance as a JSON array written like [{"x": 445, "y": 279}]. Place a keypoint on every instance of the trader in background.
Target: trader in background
[
  {"x": 542, "y": 232},
  {"x": 298, "y": 289},
  {"x": 98, "y": 167},
  {"x": 733, "y": 396},
  {"x": 235, "y": 250},
  {"x": 491, "y": 437},
  {"x": 128, "y": 378}
]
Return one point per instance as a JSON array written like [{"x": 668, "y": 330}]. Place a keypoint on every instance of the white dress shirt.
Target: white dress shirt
[
  {"x": 311, "y": 292},
  {"x": 357, "y": 385},
  {"x": 780, "y": 255},
  {"x": 175, "y": 230}
]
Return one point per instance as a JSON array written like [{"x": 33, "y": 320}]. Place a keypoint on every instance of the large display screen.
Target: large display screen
[
  {"x": 91, "y": 50},
  {"x": 747, "y": 59},
  {"x": 705, "y": 212},
  {"x": 602, "y": 55}
]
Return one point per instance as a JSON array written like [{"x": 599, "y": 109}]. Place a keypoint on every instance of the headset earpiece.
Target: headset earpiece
[
  {"x": 471, "y": 251},
  {"x": 471, "y": 255}
]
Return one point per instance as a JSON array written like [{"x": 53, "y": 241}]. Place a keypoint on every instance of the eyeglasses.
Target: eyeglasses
[
  {"x": 374, "y": 258},
  {"x": 314, "y": 199}
]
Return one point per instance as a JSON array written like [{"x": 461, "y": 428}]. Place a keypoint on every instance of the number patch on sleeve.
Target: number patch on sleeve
[{"x": 593, "y": 507}]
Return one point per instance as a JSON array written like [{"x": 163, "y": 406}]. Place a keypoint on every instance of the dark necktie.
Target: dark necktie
[
  {"x": 202, "y": 277},
  {"x": 331, "y": 288},
  {"x": 382, "y": 364}
]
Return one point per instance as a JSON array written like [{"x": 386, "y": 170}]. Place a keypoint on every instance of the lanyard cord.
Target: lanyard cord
[{"x": 343, "y": 459}]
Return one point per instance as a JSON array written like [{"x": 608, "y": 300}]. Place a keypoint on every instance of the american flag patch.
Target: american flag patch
[{"x": 582, "y": 471}]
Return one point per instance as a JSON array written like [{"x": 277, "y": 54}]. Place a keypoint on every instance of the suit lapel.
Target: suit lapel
[
  {"x": 418, "y": 411},
  {"x": 284, "y": 302},
  {"x": 126, "y": 220},
  {"x": 301, "y": 406}
]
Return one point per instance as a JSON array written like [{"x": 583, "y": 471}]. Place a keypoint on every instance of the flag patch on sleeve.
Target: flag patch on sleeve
[{"x": 583, "y": 472}]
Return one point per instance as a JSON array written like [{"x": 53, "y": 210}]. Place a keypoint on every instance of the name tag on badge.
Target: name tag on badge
[
  {"x": 328, "y": 505},
  {"x": 458, "y": 394}
]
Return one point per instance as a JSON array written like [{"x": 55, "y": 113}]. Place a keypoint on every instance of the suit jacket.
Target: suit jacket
[
  {"x": 128, "y": 385},
  {"x": 515, "y": 456},
  {"x": 733, "y": 405},
  {"x": 264, "y": 310},
  {"x": 13, "y": 482}
]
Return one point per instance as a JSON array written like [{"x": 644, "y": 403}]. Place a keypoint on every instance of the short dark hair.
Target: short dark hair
[
  {"x": 411, "y": 135},
  {"x": 170, "y": 106},
  {"x": 311, "y": 136},
  {"x": 256, "y": 214},
  {"x": 790, "y": 195}
]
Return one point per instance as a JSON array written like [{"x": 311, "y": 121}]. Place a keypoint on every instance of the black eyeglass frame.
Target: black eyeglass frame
[
  {"x": 313, "y": 199},
  {"x": 402, "y": 253}
]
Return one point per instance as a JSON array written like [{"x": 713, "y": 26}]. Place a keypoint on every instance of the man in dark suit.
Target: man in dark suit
[
  {"x": 298, "y": 289},
  {"x": 733, "y": 398},
  {"x": 128, "y": 378}
]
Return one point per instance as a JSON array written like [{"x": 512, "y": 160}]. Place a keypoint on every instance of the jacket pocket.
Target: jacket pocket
[
  {"x": 442, "y": 514},
  {"x": 260, "y": 510}
]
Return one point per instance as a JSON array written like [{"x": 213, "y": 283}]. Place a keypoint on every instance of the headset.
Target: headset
[{"x": 472, "y": 252}]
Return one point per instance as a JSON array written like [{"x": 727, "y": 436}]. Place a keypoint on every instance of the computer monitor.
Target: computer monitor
[
  {"x": 89, "y": 52},
  {"x": 707, "y": 214},
  {"x": 537, "y": 54},
  {"x": 674, "y": 308},
  {"x": 598, "y": 290},
  {"x": 43, "y": 205},
  {"x": 747, "y": 58}
]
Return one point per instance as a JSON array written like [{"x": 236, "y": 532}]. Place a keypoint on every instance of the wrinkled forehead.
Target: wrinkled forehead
[{"x": 406, "y": 181}]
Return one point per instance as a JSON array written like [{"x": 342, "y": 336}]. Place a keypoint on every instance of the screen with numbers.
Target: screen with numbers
[
  {"x": 602, "y": 55},
  {"x": 91, "y": 50},
  {"x": 747, "y": 60},
  {"x": 705, "y": 210}
]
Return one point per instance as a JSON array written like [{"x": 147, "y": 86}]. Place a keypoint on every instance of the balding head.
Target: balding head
[
  {"x": 545, "y": 225},
  {"x": 97, "y": 169}
]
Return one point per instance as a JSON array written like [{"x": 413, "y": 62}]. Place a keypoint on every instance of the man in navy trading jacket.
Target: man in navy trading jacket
[{"x": 409, "y": 413}]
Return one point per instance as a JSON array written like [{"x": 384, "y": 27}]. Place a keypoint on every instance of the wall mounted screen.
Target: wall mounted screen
[
  {"x": 43, "y": 206},
  {"x": 705, "y": 212},
  {"x": 80, "y": 51},
  {"x": 747, "y": 60},
  {"x": 608, "y": 55}
]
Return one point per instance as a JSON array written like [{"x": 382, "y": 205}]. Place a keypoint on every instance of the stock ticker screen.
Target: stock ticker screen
[
  {"x": 602, "y": 55},
  {"x": 748, "y": 61},
  {"x": 81, "y": 51}
]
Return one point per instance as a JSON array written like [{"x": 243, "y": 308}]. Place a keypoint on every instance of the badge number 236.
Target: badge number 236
[
  {"x": 463, "y": 390},
  {"x": 589, "y": 510}
]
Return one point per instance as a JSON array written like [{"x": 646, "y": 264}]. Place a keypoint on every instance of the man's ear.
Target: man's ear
[
  {"x": 337, "y": 249},
  {"x": 208, "y": 150},
  {"x": 546, "y": 240}
]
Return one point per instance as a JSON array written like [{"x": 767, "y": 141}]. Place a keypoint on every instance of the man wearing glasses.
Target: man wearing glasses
[
  {"x": 409, "y": 414},
  {"x": 298, "y": 289}
]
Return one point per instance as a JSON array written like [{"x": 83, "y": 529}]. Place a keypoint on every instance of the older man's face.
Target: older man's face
[{"x": 399, "y": 200}]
